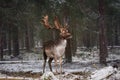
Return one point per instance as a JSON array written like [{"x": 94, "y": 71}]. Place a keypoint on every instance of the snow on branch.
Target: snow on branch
[{"x": 102, "y": 73}]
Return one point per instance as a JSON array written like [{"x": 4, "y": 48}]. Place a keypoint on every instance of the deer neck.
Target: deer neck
[
  {"x": 59, "y": 48},
  {"x": 62, "y": 42}
]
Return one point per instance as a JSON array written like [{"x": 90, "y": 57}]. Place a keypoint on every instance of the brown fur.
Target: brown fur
[{"x": 55, "y": 49}]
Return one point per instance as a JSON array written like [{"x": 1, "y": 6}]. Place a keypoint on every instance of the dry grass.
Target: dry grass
[
  {"x": 26, "y": 75},
  {"x": 10, "y": 79},
  {"x": 22, "y": 74}
]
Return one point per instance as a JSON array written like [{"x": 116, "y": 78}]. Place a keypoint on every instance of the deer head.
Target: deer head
[{"x": 64, "y": 33}]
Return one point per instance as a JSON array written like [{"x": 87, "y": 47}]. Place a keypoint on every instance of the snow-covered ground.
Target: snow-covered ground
[{"x": 28, "y": 66}]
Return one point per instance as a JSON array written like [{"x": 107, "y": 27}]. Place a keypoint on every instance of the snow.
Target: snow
[
  {"x": 85, "y": 65},
  {"x": 25, "y": 56},
  {"x": 103, "y": 73},
  {"x": 68, "y": 68},
  {"x": 115, "y": 76},
  {"x": 24, "y": 67},
  {"x": 17, "y": 78},
  {"x": 2, "y": 75},
  {"x": 48, "y": 76}
]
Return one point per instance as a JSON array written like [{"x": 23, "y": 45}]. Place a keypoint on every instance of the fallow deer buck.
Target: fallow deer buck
[{"x": 55, "y": 49}]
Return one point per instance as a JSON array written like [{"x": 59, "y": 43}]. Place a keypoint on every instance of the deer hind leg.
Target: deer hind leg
[
  {"x": 49, "y": 62},
  {"x": 45, "y": 59},
  {"x": 44, "y": 64}
]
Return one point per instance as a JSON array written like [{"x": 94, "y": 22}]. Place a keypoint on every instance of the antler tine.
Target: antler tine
[
  {"x": 56, "y": 23},
  {"x": 66, "y": 25},
  {"x": 46, "y": 23}
]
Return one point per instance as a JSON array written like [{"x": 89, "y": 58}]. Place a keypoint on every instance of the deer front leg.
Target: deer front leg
[
  {"x": 60, "y": 60},
  {"x": 56, "y": 65}
]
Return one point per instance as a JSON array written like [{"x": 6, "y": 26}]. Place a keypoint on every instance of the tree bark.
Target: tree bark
[
  {"x": 68, "y": 54},
  {"x": 31, "y": 37},
  {"x": 73, "y": 40},
  {"x": 102, "y": 34},
  {"x": 9, "y": 41},
  {"x": 116, "y": 35},
  {"x": 15, "y": 41},
  {"x": 27, "y": 44},
  {"x": 1, "y": 44}
]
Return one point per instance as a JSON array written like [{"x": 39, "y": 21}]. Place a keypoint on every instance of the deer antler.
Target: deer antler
[
  {"x": 46, "y": 23},
  {"x": 48, "y": 26},
  {"x": 66, "y": 25},
  {"x": 56, "y": 23}
]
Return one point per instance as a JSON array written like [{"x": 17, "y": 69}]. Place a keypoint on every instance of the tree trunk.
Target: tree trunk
[
  {"x": 116, "y": 35},
  {"x": 73, "y": 40},
  {"x": 9, "y": 41},
  {"x": 27, "y": 44},
  {"x": 31, "y": 37},
  {"x": 102, "y": 34},
  {"x": 4, "y": 40},
  {"x": 68, "y": 54},
  {"x": 87, "y": 39},
  {"x": 1, "y": 44},
  {"x": 15, "y": 41}
]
